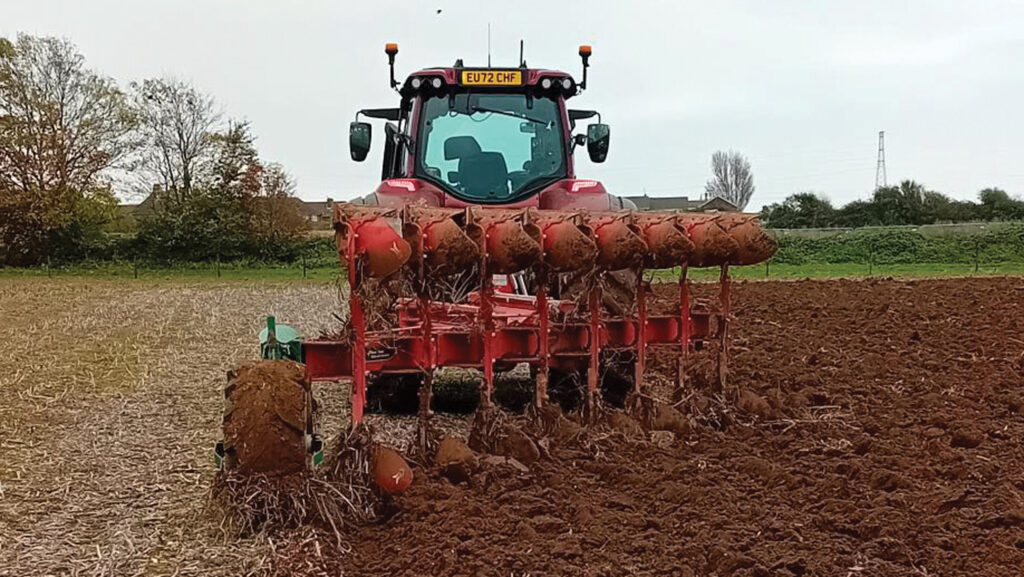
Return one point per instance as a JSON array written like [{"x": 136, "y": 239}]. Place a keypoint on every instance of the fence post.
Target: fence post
[
  {"x": 977, "y": 254},
  {"x": 303, "y": 264},
  {"x": 218, "y": 264},
  {"x": 135, "y": 267},
  {"x": 49, "y": 269},
  {"x": 767, "y": 268},
  {"x": 871, "y": 259}
]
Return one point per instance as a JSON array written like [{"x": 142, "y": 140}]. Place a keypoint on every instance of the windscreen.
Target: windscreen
[{"x": 490, "y": 147}]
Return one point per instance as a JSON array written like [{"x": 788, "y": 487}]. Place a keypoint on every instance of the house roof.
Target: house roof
[
  {"x": 719, "y": 203},
  {"x": 139, "y": 208},
  {"x": 683, "y": 203},
  {"x": 317, "y": 208}
]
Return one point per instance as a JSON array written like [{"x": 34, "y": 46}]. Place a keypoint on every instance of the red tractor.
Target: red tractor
[
  {"x": 481, "y": 249},
  {"x": 464, "y": 137}
]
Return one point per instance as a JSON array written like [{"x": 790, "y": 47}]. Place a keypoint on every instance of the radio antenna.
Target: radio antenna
[
  {"x": 488, "y": 44},
  {"x": 522, "y": 61}
]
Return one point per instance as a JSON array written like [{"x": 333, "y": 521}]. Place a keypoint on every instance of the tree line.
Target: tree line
[
  {"x": 69, "y": 136},
  {"x": 909, "y": 203}
]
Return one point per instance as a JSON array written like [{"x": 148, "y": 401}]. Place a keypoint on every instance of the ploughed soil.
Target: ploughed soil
[{"x": 868, "y": 428}]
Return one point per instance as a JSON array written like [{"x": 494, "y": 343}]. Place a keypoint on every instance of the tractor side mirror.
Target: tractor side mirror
[
  {"x": 359, "y": 140},
  {"x": 597, "y": 141}
]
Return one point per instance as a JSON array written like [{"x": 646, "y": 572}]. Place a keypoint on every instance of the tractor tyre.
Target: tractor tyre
[
  {"x": 515, "y": 387},
  {"x": 268, "y": 418},
  {"x": 617, "y": 380},
  {"x": 567, "y": 388},
  {"x": 394, "y": 393}
]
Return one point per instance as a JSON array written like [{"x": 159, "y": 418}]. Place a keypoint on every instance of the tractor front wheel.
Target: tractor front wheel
[
  {"x": 568, "y": 387},
  {"x": 268, "y": 416},
  {"x": 394, "y": 393}
]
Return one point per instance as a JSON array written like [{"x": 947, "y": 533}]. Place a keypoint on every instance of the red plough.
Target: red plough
[{"x": 494, "y": 328}]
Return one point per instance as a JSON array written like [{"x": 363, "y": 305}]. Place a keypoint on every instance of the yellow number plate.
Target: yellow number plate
[{"x": 492, "y": 77}]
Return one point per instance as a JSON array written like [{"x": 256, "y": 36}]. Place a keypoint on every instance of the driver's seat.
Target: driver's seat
[
  {"x": 484, "y": 174},
  {"x": 460, "y": 147},
  {"x": 480, "y": 174}
]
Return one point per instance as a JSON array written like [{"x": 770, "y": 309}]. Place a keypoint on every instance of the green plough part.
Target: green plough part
[
  {"x": 280, "y": 342},
  {"x": 317, "y": 448}
]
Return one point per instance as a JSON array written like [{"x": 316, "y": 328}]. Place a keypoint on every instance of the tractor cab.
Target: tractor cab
[{"x": 484, "y": 136}]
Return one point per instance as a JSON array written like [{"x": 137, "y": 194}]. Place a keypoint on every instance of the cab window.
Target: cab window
[{"x": 490, "y": 147}]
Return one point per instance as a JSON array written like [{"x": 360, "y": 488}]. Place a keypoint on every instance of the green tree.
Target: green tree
[
  {"x": 939, "y": 208},
  {"x": 204, "y": 178},
  {"x": 276, "y": 220},
  {"x": 63, "y": 128},
  {"x": 239, "y": 208},
  {"x": 206, "y": 226},
  {"x": 909, "y": 203},
  {"x": 857, "y": 214},
  {"x": 801, "y": 210},
  {"x": 237, "y": 171},
  {"x": 996, "y": 204},
  {"x": 903, "y": 204},
  {"x": 86, "y": 233}
]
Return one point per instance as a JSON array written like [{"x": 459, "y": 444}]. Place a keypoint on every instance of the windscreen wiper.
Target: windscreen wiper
[{"x": 512, "y": 114}]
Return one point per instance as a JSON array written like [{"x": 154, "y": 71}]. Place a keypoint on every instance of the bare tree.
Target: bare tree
[
  {"x": 732, "y": 178},
  {"x": 63, "y": 128},
  {"x": 177, "y": 121}
]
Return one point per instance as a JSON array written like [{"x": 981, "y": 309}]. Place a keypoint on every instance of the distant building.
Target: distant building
[
  {"x": 682, "y": 203},
  {"x": 130, "y": 214},
  {"x": 318, "y": 214}
]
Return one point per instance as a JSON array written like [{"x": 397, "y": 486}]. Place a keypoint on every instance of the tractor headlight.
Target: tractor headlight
[
  {"x": 416, "y": 83},
  {"x": 546, "y": 83},
  {"x": 566, "y": 83},
  {"x": 436, "y": 82}
]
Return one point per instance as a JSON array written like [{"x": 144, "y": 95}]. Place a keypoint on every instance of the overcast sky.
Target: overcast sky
[{"x": 801, "y": 87}]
